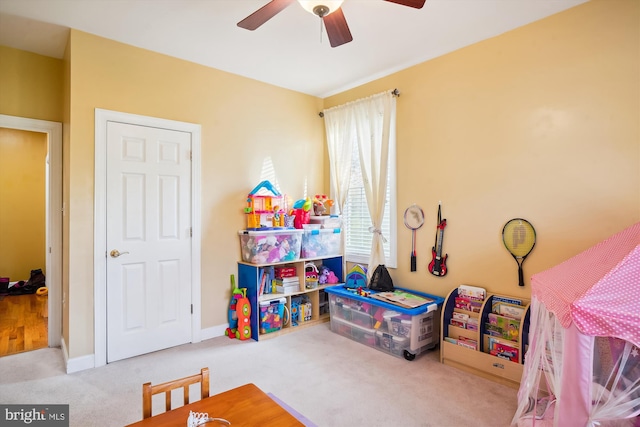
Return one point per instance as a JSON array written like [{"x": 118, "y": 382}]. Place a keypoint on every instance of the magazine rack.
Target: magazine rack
[{"x": 457, "y": 347}]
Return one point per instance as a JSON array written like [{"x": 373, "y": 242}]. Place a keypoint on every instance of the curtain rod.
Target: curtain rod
[{"x": 394, "y": 92}]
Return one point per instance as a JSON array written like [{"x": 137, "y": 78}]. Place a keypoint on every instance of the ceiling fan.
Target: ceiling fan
[{"x": 327, "y": 10}]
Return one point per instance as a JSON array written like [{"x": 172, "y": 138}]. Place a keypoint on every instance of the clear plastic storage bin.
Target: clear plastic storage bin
[
  {"x": 272, "y": 315},
  {"x": 395, "y": 330},
  {"x": 321, "y": 243},
  {"x": 270, "y": 246}
]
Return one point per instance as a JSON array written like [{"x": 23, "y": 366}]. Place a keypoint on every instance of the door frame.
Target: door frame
[
  {"x": 102, "y": 117},
  {"x": 54, "y": 212}
]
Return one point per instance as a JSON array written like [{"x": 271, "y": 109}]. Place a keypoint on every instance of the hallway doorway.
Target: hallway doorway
[
  {"x": 23, "y": 169},
  {"x": 40, "y": 316}
]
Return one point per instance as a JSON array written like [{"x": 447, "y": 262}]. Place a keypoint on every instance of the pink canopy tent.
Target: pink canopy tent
[{"x": 585, "y": 339}]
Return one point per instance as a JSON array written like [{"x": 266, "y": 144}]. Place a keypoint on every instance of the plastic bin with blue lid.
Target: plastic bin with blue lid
[{"x": 401, "y": 332}]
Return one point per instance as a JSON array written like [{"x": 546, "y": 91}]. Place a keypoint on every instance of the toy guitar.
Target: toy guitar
[{"x": 438, "y": 266}]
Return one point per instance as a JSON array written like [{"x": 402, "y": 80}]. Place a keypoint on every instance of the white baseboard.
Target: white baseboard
[
  {"x": 88, "y": 361},
  {"x": 80, "y": 363},
  {"x": 213, "y": 332},
  {"x": 77, "y": 363}
]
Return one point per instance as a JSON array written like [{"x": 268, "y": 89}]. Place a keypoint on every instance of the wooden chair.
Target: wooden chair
[{"x": 148, "y": 390}]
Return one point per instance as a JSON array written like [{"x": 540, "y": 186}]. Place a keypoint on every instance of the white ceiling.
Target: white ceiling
[{"x": 289, "y": 50}]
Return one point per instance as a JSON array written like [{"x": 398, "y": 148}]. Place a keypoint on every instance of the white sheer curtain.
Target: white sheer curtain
[
  {"x": 375, "y": 126},
  {"x": 338, "y": 123},
  {"x": 371, "y": 122},
  {"x": 543, "y": 362}
]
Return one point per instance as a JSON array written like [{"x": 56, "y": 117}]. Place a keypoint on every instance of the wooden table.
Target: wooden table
[{"x": 246, "y": 405}]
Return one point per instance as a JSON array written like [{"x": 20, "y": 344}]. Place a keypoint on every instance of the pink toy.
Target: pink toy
[
  {"x": 327, "y": 276},
  {"x": 301, "y": 217},
  {"x": 332, "y": 278},
  {"x": 302, "y": 212}
]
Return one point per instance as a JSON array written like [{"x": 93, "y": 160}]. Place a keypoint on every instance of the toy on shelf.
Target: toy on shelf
[
  {"x": 356, "y": 278},
  {"x": 327, "y": 276},
  {"x": 239, "y": 313},
  {"x": 273, "y": 315},
  {"x": 265, "y": 207},
  {"x": 300, "y": 310},
  {"x": 295, "y": 312},
  {"x": 310, "y": 275},
  {"x": 305, "y": 311},
  {"x": 301, "y": 212},
  {"x": 321, "y": 205}
]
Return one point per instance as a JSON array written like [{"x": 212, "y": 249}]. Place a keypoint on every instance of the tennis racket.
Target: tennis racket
[
  {"x": 413, "y": 219},
  {"x": 519, "y": 238}
]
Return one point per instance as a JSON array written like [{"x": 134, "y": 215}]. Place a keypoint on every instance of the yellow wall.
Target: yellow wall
[
  {"x": 22, "y": 202},
  {"x": 540, "y": 123},
  {"x": 248, "y": 128},
  {"x": 30, "y": 85}
]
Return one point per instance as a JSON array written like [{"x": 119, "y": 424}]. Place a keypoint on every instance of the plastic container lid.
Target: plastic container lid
[
  {"x": 267, "y": 303},
  {"x": 316, "y": 231},
  {"x": 263, "y": 231},
  {"x": 311, "y": 226}
]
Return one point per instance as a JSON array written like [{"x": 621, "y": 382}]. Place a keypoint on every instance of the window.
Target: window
[{"x": 356, "y": 219}]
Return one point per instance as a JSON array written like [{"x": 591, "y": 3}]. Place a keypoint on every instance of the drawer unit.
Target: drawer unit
[
  {"x": 391, "y": 344},
  {"x": 420, "y": 329}
]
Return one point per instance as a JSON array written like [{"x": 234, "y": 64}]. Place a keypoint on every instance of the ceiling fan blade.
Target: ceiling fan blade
[
  {"x": 337, "y": 28},
  {"x": 263, "y": 14},
  {"x": 417, "y": 4}
]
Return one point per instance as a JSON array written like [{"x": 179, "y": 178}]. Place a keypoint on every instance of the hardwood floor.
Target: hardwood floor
[{"x": 23, "y": 323}]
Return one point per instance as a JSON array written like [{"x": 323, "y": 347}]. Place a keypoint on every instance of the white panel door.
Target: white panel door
[{"x": 148, "y": 239}]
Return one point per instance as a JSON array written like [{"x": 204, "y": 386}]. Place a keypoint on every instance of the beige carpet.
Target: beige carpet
[{"x": 329, "y": 379}]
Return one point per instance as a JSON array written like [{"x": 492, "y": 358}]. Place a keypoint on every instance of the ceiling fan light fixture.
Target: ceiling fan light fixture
[{"x": 321, "y": 8}]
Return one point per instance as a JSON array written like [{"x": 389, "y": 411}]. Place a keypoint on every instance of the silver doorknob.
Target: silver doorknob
[{"x": 115, "y": 253}]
